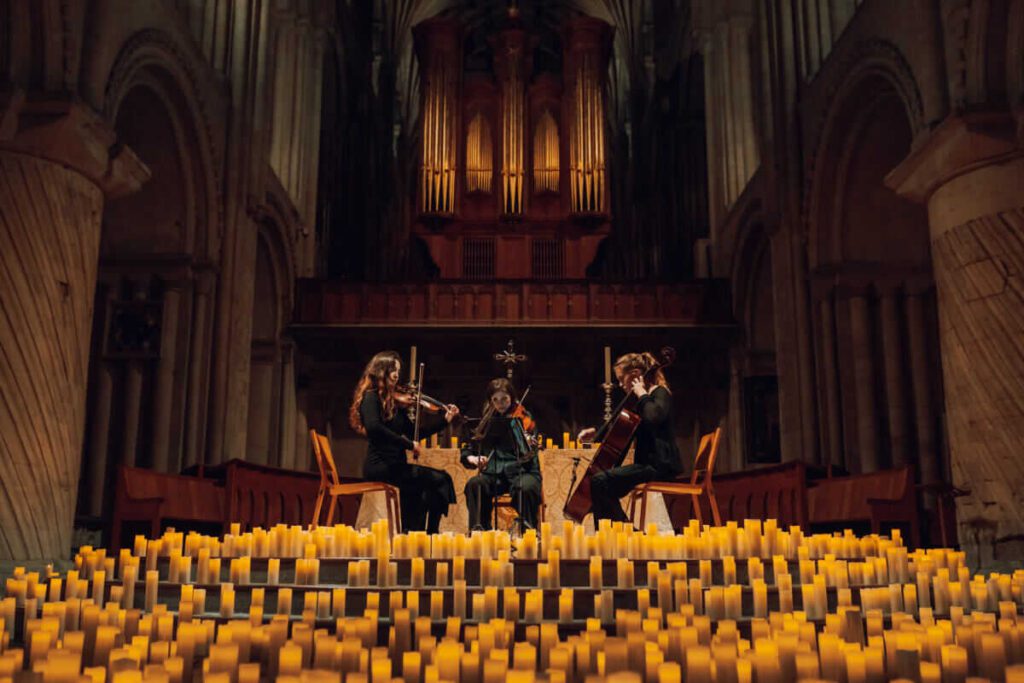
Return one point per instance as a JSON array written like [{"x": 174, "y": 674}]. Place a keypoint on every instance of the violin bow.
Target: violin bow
[{"x": 416, "y": 419}]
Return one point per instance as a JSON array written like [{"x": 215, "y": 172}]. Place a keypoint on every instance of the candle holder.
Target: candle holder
[{"x": 607, "y": 386}]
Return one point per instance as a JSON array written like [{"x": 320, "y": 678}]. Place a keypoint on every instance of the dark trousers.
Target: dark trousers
[
  {"x": 606, "y": 488},
  {"x": 481, "y": 490},
  {"x": 424, "y": 493}
]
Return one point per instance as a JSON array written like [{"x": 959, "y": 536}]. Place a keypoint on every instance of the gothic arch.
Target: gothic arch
[
  {"x": 879, "y": 81},
  {"x": 149, "y": 60}
]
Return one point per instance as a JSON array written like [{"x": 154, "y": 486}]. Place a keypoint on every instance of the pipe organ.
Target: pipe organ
[{"x": 513, "y": 153}]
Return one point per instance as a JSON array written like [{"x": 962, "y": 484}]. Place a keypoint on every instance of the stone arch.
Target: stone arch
[
  {"x": 149, "y": 59},
  {"x": 754, "y": 412},
  {"x": 149, "y": 363},
  {"x": 270, "y": 439},
  {"x": 870, "y": 265}
]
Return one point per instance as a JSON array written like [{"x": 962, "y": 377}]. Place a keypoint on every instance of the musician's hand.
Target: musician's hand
[
  {"x": 638, "y": 387},
  {"x": 586, "y": 434},
  {"x": 477, "y": 460},
  {"x": 417, "y": 450},
  {"x": 450, "y": 412}
]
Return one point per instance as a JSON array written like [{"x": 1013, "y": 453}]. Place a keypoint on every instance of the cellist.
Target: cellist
[
  {"x": 504, "y": 449},
  {"x": 656, "y": 456}
]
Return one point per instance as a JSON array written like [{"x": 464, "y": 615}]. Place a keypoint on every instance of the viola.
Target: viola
[{"x": 617, "y": 434}]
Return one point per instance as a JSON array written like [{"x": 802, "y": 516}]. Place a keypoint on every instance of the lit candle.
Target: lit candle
[
  {"x": 273, "y": 571},
  {"x": 565, "y": 611},
  {"x": 565, "y": 439},
  {"x": 784, "y": 582},
  {"x": 227, "y": 600},
  {"x": 418, "y": 572},
  {"x": 459, "y": 599},
  {"x": 152, "y": 583},
  {"x": 412, "y": 365},
  {"x": 455, "y": 442},
  {"x": 760, "y": 599},
  {"x": 596, "y": 568},
  {"x": 533, "y": 609}
]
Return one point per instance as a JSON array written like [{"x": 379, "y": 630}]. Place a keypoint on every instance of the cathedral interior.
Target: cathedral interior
[{"x": 213, "y": 213}]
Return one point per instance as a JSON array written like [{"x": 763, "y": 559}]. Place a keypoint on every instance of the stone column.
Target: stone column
[
  {"x": 828, "y": 364},
  {"x": 286, "y": 437},
  {"x": 864, "y": 382},
  {"x": 99, "y": 434},
  {"x": 55, "y": 169},
  {"x": 133, "y": 377},
  {"x": 920, "y": 374},
  {"x": 892, "y": 356},
  {"x": 198, "y": 369},
  {"x": 970, "y": 172},
  {"x": 164, "y": 389}
]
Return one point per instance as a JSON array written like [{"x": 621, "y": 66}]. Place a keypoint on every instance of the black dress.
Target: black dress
[
  {"x": 503, "y": 473},
  {"x": 425, "y": 492},
  {"x": 656, "y": 457}
]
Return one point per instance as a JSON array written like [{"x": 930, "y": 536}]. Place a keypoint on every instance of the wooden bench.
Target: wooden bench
[
  {"x": 259, "y": 495},
  {"x": 878, "y": 498},
  {"x": 774, "y": 492},
  {"x": 143, "y": 495}
]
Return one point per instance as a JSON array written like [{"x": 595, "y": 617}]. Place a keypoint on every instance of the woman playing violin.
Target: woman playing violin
[
  {"x": 379, "y": 412},
  {"x": 656, "y": 455},
  {"x": 505, "y": 451}
]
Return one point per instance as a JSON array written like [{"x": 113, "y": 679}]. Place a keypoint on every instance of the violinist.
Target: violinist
[
  {"x": 379, "y": 411},
  {"x": 504, "y": 450},
  {"x": 656, "y": 456}
]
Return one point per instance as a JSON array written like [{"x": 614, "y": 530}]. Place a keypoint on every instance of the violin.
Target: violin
[{"x": 406, "y": 395}]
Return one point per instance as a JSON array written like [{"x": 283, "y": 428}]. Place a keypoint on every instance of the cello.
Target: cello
[{"x": 616, "y": 435}]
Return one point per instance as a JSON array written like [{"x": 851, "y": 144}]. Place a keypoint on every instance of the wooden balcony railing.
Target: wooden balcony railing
[{"x": 521, "y": 303}]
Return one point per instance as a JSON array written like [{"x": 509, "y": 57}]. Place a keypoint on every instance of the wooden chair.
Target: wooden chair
[
  {"x": 504, "y": 501},
  {"x": 707, "y": 451},
  {"x": 330, "y": 485}
]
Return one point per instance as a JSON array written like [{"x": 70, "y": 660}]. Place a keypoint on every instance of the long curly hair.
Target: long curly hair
[
  {"x": 493, "y": 387},
  {"x": 375, "y": 377},
  {"x": 642, "y": 362}
]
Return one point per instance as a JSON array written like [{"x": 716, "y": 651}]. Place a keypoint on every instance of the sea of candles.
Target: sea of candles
[{"x": 915, "y": 602}]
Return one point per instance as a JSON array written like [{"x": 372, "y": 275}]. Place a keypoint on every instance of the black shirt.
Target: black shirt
[
  {"x": 389, "y": 439},
  {"x": 499, "y": 444},
  {"x": 654, "y": 438}
]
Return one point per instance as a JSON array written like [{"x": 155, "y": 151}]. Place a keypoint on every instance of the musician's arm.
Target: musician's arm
[
  {"x": 371, "y": 413},
  {"x": 464, "y": 456},
  {"x": 656, "y": 406}
]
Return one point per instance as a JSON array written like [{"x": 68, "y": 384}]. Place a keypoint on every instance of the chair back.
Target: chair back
[
  {"x": 704, "y": 460},
  {"x": 328, "y": 458},
  {"x": 315, "y": 438}
]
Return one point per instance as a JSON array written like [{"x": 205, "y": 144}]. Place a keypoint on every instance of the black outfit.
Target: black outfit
[
  {"x": 425, "y": 492},
  {"x": 656, "y": 457},
  {"x": 503, "y": 473}
]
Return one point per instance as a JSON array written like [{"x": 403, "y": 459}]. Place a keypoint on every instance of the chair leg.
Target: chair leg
[
  {"x": 394, "y": 513},
  {"x": 714, "y": 508},
  {"x": 330, "y": 510},
  {"x": 316, "y": 509},
  {"x": 643, "y": 509},
  {"x": 632, "y": 506},
  {"x": 696, "y": 509}
]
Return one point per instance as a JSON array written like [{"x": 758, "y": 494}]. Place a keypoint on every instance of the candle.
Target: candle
[
  {"x": 760, "y": 599},
  {"x": 418, "y": 572},
  {"x": 533, "y": 609},
  {"x": 152, "y": 582},
  {"x": 565, "y": 439},
  {"x": 227, "y": 600},
  {"x": 455, "y": 442},
  {"x": 596, "y": 568},
  {"x": 607, "y": 365},
  {"x": 565, "y": 603},
  {"x": 459, "y": 599},
  {"x": 273, "y": 571},
  {"x": 412, "y": 365}
]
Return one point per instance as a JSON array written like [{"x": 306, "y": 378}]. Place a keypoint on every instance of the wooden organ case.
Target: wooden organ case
[{"x": 512, "y": 180}]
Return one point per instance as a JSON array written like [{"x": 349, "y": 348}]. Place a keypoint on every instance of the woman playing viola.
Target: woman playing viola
[
  {"x": 505, "y": 451},
  {"x": 656, "y": 455},
  {"x": 377, "y": 412}
]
